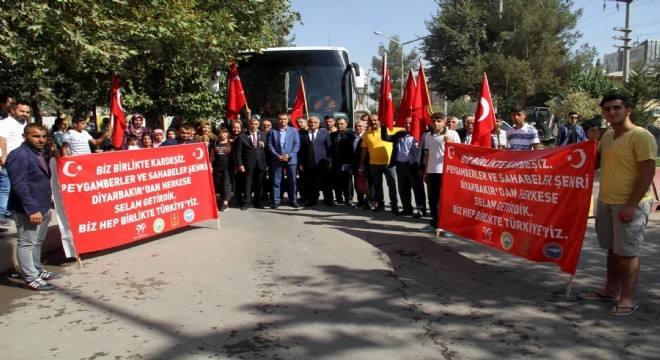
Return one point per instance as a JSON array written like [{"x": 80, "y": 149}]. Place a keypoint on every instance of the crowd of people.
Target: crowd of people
[{"x": 257, "y": 165}]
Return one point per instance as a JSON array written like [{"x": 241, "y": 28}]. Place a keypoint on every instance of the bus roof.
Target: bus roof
[{"x": 300, "y": 48}]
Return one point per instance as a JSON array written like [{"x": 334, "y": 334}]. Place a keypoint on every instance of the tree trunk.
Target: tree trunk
[{"x": 35, "y": 104}]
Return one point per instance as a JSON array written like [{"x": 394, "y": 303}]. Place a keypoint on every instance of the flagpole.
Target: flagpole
[
  {"x": 302, "y": 84},
  {"x": 428, "y": 97}
]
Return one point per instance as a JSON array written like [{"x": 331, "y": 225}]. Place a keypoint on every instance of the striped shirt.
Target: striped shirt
[
  {"x": 78, "y": 142},
  {"x": 522, "y": 139}
]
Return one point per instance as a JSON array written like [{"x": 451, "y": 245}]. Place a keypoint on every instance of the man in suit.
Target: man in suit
[
  {"x": 284, "y": 143},
  {"x": 314, "y": 162},
  {"x": 360, "y": 128},
  {"x": 251, "y": 164},
  {"x": 30, "y": 199},
  {"x": 342, "y": 154},
  {"x": 465, "y": 133}
]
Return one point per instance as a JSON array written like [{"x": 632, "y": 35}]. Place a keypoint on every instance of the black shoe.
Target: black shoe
[
  {"x": 329, "y": 203},
  {"x": 417, "y": 214},
  {"x": 377, "y": 209},
  {"x": 224, "y": 207},
  {"x": 39, "y": 285},
  {"x": 244, "y": 207},
  {"x": 257, "y": 205},
  {"x": 404, "y": 213},
  {"x": 295, "y": 205},
  {"x": 395, "y": 209},
  {"x": 274, "y": 206},
  {"x": 47, "y": 275},
  {"x": 366, "y": 207}
]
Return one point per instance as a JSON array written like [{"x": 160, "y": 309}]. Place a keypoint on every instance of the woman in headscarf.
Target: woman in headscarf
[
  {"x": 134, "y": 127},
  {"x": 205, "y": 133},
  {"x": 158, "y": 137}
]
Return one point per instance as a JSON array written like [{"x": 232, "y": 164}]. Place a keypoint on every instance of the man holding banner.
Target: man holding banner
[
  {"x": 434, "y": 154},
  {"x": 626, "y": 156}
]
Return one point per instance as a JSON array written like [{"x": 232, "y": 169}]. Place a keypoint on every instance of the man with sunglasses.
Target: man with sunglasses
[{"x": 571, "y": 132}]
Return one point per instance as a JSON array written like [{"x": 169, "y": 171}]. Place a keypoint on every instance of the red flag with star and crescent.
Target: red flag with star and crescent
[
  {"x": 235, "y": 95},
  {"x": 484, "y": 118},
  {"x": 385, "y": 103},
  {"x": 119, "y": 123}
]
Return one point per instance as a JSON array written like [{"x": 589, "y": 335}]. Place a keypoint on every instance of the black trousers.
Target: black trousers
[
  {"x": 433, "y": 183},
  {"x": 251, "y": 179},
  {"x": 408, "y": 179}
]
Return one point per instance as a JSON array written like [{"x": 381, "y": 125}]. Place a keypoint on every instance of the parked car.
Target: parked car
[{"x": 544, "y": 120}]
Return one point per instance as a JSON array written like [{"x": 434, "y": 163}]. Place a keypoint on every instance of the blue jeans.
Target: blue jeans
[
  {"x": 4, "y": 192},
  {"x": 377, "y": 173},
  {"x": 278, "y": 166},
  {"x": 28, "y": 244}
]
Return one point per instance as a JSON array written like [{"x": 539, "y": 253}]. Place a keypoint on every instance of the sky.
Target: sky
[{"x": 351, "y": 23}]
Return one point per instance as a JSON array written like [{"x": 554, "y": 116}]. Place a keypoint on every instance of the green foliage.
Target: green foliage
[
  {"x": 460, "y": 107},
  {"x": 525, "y": 52},
  {"x": 592, "y": 81},
  {"x": 579, "y": 101},
  {"x": 641, "y": 90},
  {"x": 162, "y": 50},
  {"x": 410, "y": 61}
]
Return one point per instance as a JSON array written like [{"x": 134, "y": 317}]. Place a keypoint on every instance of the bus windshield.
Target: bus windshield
[{"x": 271, "y": 79}]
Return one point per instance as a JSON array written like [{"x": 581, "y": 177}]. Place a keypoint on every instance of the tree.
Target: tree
[
  {"x": 393, "y": 50},
  {"x": 641, "y": 91},
  {"x": 524, "y": 50},
  {"x": 592, "y": 81},
  {"x": 163, "y": 51},
  {"x": 579, "y": 101}
]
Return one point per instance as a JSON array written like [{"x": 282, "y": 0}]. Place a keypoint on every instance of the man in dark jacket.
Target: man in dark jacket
[{"x": 30, "y": 199}]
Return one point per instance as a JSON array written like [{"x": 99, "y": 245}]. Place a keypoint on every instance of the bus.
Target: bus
[{"x": 333, "y": 85}]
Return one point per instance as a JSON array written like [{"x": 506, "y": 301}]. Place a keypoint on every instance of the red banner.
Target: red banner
[
  {"x": 115, "y": 198},
  {"x": 533, "y": 204}
]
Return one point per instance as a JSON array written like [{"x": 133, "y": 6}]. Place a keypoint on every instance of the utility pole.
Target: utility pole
[{"x": 626, "y": 41}]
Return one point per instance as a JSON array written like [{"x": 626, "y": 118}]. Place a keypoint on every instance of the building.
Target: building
[{"x": 648, "y": 52}]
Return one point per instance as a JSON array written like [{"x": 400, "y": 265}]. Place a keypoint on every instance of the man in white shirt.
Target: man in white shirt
[
  {"x": 11, "y": 131},
  {"x": 434, "y": 154}
]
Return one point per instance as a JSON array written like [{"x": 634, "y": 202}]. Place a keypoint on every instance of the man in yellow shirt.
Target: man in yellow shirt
[
  {"x": 380, "y": 153},
  {"x": 626, "y": 156}
]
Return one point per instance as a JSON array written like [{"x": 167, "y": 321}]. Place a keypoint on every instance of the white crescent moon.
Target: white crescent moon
[
  {"x": 196, "y": 156},
  {"x": 450, "y": 152},
  {"x": 66, "y": 171},
  {"x": 583, "y": 158},
  {"x": 484, "y": 105},
  {"x": 119, "y": 100}
]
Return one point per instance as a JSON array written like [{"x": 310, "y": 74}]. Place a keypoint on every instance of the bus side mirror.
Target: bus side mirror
[{"x": 358, "y": 76}]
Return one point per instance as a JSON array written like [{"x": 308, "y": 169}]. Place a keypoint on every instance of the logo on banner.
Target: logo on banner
[
  {"x": 488, "y": 234},
  {"x": 506, "y": 240},
  {"x": 189, "y": 215},
  {"x": 159, "y": 225},
  {"x": 174, "y": 219},
  {"x": 140, "y": 228},
  {"x": 553, "y": 251},
  {"x": 526, "y": 246}
]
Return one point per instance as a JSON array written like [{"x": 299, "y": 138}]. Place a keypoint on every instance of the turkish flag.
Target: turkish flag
[
  {"x": 421, "y": 117},
  {"x": 485, "y": 117},
  {"x": 119, "y": 124},
  {"x": 385, "y": 103},
  {"x": 300, "y": 105},
  {"x": 406, "y": 106},
  {"x": 235, "y": 96}
]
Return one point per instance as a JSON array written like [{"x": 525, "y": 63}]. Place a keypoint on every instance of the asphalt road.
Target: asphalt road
[{"x": 328, "y": 283}]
